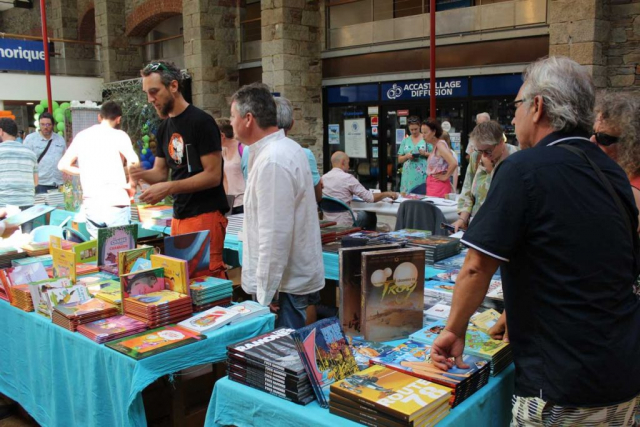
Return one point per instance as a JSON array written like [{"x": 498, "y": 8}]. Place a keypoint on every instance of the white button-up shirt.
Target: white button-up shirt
[{"x": 282, "y": 250}]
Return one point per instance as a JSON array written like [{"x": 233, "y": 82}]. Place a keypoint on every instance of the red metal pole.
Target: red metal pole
[
  {"x": 45, "y": 42},
  {"x": 432, "y": 59}
]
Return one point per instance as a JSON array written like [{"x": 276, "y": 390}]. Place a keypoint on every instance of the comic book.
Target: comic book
[
  {"x": 485, "y": 320},
  {"x": 326, "y": 355},
  {"x": 126, "y": 259},
  {"x": 192, "y": 247},
  {"x": 275, "y": 350},
  {"x": 363, "y": 351}
]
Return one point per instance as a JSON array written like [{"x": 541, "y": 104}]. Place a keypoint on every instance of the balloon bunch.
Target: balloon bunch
[
  {"x": 60, "y": 113},
  {"x": 147, "y": 146}
]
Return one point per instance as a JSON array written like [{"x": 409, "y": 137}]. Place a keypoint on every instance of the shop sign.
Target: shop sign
[
  {"x": 374, "y": 130},
  {"x": 22, "y": 55},
  {"x": 420, "y": 89},
  {"x": 374, "y": 121},
  {"x": 403, "y": 113},
  {"x": 373, "y": 111}
]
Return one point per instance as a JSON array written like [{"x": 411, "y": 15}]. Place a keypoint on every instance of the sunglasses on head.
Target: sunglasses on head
[
  {"x": 605, "y": 139},
  {"x": 155, "y": 66}
]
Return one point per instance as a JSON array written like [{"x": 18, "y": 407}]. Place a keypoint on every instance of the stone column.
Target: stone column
[
  {"x": 210, "y": 52},
  {"x": 120, "y": 59},
  {"x": 579, "y": 29},
  {"x": 291, "y": 64}
]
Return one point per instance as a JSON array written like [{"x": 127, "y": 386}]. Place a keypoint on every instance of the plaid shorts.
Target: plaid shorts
[{"x": 533, "y": 411}]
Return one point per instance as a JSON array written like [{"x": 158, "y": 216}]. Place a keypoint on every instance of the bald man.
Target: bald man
[{"x": 340, "y": 184}]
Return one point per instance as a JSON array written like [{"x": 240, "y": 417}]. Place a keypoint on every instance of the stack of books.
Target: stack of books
[
  {"x": 36, "y": 249},
  {"x": 452, "y": 262},
  {"x": 21, "y": 297},
  {"x": 436, "y": 247},
  {"x": 335, "y": 232},
  {"x": 247, "y": 310},
  {"x": 108, "y": 291},
  {"x": 270, "y": 363},
  {"x": 155, "y": 341},
  {"x": 110, "y": 329},
  {"x": 207, "y": 292},
  {"x": 155, "y": 215},
  {"x": 477, "y": 343},
  {"x": 234, "y": 226},
  {"x": 160, "y": 308},
  {"x": 209, "y": 320},
  {"x": 45, "y": 260},
  {"x": 71, "y": 315},
  {"x": 9, "y": 254},
  {"x": 439, "y": 289},
  {"x": 379, "y": 396},
  {"x": 414, "y": 358}
]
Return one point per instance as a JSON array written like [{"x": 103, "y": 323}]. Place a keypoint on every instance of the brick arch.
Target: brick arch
[
  {"x": 87, "y": 27},
  {"x": 149, "y": 14}
]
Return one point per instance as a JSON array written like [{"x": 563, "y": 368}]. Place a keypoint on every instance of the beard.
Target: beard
[{"x": 166, "y": 108}]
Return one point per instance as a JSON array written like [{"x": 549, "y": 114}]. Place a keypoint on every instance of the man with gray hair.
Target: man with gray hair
[
  {"x": 561, "y": 222},
  {"x": 286, "y": 122},
  {"x": 480, "y": 118},
  {"x": 282, "y": 252}
]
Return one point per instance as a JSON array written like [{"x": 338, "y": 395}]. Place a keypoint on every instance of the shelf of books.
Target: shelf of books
[{"x": 105, "y": 318}]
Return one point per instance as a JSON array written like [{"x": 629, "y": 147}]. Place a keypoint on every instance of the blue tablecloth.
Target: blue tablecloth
[
  {"x": 240, "y": 405},
  {"x": 64, "y": 379}
]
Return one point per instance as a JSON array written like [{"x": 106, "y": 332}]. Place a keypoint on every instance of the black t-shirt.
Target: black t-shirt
[
  {"x": 183, "y": 139},
  {"x": 574, "y": 322}
]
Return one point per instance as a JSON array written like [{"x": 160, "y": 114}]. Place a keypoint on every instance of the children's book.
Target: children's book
[
  {"x": 247, "y": 310},
  {"x": 38, "y": 292},
  {"x": 209, "y": 320},
  {"x": 142, "y": 282},
  {"x": 192, "y": 247},
  {"x": 25, "y": 274},
  {"x": 64, "y": 264},
  {"x": 140, "y": 264},
  {"x": 149, "y": 343},
  {"x": 29, "y": 214},
  {"x": 439, "y": 311},
  {"x": 485, "y": 320},
  {"x": 127, "y": 259},
  {"x": 176, "y": 272},
  {"x": 392, "y": 293},
  {"x": 72, "y": 294},
  {"x": 326, "y": 355},
  {"x": 86, "y": 252},
  {"x": 112, "y": 240}
]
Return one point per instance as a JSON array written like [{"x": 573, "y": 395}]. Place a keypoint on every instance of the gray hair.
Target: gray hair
[
  {"x": 484, "y": 116},
  {"x": 285, "y": 113},
  {"x": 567, "y": 90},
  {"x": 257, "y": 100},
  {"x": 621, "y": 111},
  {"x": 487, "y": 133}
]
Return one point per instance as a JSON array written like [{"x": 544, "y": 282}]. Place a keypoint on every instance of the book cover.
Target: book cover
[
  {"x": 395, "y": 393},
  {"x": 149, "y": 343},
  {"x": 247, "y": 310},
  {"x": 38, "y": 293},
  {"x": 73, "y": 309},
  {"x": 192, "y": 247},
  {"x": 5, "y": 287},
  {"x": 25, "y": 274},
  {"x": 64, "y": 264},
  {"x": 96, "y": 278},
  {"x": 176, "y": 272},
  {"x": 71, "y": 294},
  {"x": 326, "y": 355},
  {"x": 142, "y": 282},
  {"x": 364, "y": 350},
  {"x": 29, "y": 214},
  {"x": 112, "y": 326},
  {"x": 109, "y": 291},
  {"x": 485, "y": 320},
  {"x": 112, "y": 240},
  {"x": 350, "y": 262},
  {"x": 140, "y": 264},
  {"x": 126, "y": 259},
  {"x": 275, "y": 350},
  {"x": 439, "y": 311},
  {"x": 392, "y": 293},
  {"x": 156, "y": 299},
  {"x": 209, "y": 320},
  {"x": 86, "y": 252}
]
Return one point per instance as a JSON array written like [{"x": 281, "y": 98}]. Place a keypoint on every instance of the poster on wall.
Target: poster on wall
[
  {"x": 355, "y": 139},
  {"x": 399, "y": 136},
  {"x": 374, "y": 152},
  {"x": 334, "y": 134}
]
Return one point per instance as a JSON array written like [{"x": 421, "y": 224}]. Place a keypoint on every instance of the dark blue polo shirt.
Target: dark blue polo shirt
[{"x": 568, "y": 270}]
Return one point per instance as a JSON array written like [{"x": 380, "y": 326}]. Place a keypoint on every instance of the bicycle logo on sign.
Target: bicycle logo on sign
[{"x": 394, "y": 92}]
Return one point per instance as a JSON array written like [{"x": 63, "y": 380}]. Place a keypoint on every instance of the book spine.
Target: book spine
[
  {"x": 267, "y": 378},
  {"x": 268, "y": 366},
  {"x": 302, "y": 401},
  {"x": 364, "y": 412},
  {"x": 317, "y": 389},
  {"x": 374, "y": 405}
]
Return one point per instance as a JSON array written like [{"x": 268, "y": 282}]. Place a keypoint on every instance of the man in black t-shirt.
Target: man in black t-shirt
[
  {"x": 188, "y": 145},
  {"x": 569, "y": 253}
]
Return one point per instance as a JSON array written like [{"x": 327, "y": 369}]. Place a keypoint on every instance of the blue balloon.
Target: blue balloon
[
  {"x": 152, "y": 158},
  {"x": 146, "y": 165}
]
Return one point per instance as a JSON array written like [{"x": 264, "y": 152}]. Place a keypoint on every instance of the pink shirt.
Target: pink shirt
[{"x": 343, "y": 186}]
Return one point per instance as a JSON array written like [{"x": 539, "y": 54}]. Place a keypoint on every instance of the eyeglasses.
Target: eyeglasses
[
  {"x": 414, "y": 121},
  {"x": 155, "y": 66},
  {"x": 488, "y": 152},
  {"x": 605, "y": 139},
  {"x": 515, "y": 104}
]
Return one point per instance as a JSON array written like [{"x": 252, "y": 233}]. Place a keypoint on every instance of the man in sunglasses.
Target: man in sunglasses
[
  {"x": 560, "y": 221},
  {"x": 189, "y": 146},
  {"x": 49, "y": 148}
]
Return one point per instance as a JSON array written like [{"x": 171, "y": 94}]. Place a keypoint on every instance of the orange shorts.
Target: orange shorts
[{"x": 216, "y": 224}]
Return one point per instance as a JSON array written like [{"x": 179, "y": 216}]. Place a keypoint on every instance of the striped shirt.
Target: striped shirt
[{"x": 18, "y": 165}]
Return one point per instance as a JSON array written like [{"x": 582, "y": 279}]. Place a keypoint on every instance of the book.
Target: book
[
  {"x": 275, "y": 350},
  {"x": 247, "y": 310},
  {"x": 112, "y": 328},
  {"x": 192, "y": 247},
  {"x": 140, "y": 264},
  {"x": 142, "y": 282},
  {"x": 350, "y": 280},
  {"x": 5, "y": 287},
  {"x": 149, "y": 343},
  {"x": 64, "y": 264},
  {"x": 394, "y": 393},
  {"x": 39, "y": 289},
  {"x": 485, "y": 320},
  {"x": 108, "y": 291},
  {"x": 86, "y": 252},
  {"x": 112, "y": 240},
  {"x": 326, "y": 355},
  {"x": 438, "y": 311},
  {"x": 127, "y": 259},
  {"x": 209, "y": 320},
  {"x": 176, "y": 272},
  {"x": 66, "y": 295},
  {"x": 29, "y": 214},
  {"x": 364, "y": 350},
  {"x": 392, "y": 293}
]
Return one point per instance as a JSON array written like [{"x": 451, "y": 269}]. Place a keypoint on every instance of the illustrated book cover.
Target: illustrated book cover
[
  {"x": 127, "y": 259},
  {"x": 192, "y": 247},
  {"x": 176, "y": 272},
  {"x": 209, "y": 320},
  {"x": 112, "y": 240},
  {"x": 149, "y": 343},
  {"x": 142, "y": 282}
]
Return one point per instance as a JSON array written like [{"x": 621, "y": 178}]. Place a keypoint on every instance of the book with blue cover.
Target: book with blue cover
[
  {"x": 193, "y": 248},
  {"x": 364, "y": 351},
  {"x": 326, "y": 355}
]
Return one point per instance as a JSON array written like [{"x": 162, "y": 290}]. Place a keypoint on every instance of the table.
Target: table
[
  {"x": 236, "y": 404},
  {"x": 385, "y": 208},
  {"x": 62, "y": 378}
]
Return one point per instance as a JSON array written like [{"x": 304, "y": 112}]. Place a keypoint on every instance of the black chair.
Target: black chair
[
  {"x": 419, "y": 189},
  {"x": 420, "y": 215},
  {"x": 331, "y": 205}
]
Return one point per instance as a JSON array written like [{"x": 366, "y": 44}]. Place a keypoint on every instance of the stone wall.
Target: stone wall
[
  {"x": 623, "y": 49},
  {"x": 25, "y": 21},
  {"x": 291, "y": 64}
]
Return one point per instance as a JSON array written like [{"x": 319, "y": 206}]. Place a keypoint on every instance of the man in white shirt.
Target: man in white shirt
[
  {"x": 282, "y": 252},
  {"x": 340, "y": 184},
  {"x": 99, "y": 150}
]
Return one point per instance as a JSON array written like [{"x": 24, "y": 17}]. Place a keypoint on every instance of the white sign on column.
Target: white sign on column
[{"x": 355, "y": 138}]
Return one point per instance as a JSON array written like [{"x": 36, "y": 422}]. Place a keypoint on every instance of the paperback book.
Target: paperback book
[
  {"x": 112, "y": 328},
  {"x": 86, "y": 252},
  {"x": 247, "y": 310},
  {"x": 38, "y": 292}
]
